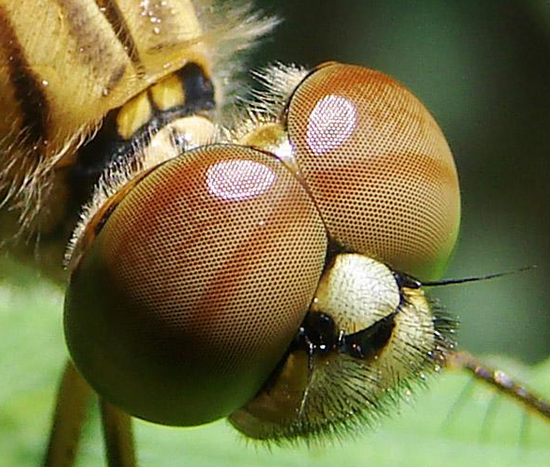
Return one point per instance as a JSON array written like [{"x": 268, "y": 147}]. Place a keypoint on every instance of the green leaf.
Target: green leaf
[{"x": 483, "y": 429}]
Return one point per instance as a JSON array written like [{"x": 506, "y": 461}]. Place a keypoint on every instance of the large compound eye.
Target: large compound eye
[
  {"x": 195, "y": 286},
  {"x": 378, "y": 167}
]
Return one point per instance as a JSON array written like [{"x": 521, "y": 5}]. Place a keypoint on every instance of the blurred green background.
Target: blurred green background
[
  {"x": 426, "y": 433},
  {"x": 483, "y": 69}
]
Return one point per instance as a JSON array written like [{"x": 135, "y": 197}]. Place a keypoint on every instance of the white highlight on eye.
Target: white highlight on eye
[
  {"x": 238, "y": 180},
  {"x": 330, "y": 123}
]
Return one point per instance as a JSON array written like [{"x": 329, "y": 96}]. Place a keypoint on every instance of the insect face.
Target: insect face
[
  {"x": 364, "y": 342},
  {"x": 235, "y": 276},
  {"x": 203, "y": 274}
]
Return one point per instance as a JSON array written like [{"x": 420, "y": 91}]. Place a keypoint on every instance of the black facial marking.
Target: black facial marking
[
  {"x": 369, "y": 342},
  {"x": 317, "y": 334},
  {"x": 320, "y": 335}
]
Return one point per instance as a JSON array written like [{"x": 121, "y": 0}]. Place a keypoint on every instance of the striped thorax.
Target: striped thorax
[{"x": 88, "y": 85}]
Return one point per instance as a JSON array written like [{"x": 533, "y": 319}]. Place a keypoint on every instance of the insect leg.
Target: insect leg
[
  {"x": 73, "y": 401},
  {"x": 501, "y": 382},
  {"x": 118, "y": 436}
]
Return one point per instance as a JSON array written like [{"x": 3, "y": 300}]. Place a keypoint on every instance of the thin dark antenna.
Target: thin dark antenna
[{"x": 476, "y": 278}]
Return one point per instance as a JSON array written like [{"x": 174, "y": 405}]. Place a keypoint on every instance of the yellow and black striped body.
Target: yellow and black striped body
[
  {"x": 169, "y": 116},
  {"x": 66, "y": 63},
  {"x": 88, "y": 83}
]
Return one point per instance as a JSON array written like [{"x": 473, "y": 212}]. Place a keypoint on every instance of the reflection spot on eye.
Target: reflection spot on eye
[
  {"x": 238, "y": 180},
  {"x": 330, "y": 124}
]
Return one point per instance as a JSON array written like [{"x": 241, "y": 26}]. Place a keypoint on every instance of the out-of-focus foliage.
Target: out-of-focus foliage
[
  {"x": 424, "y": 435},
  {"x": 32, "y": 355}
]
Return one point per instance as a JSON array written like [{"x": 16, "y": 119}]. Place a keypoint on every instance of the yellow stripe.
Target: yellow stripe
[
  {"x": 168, "y": 93},
  {"x": 136, "y": 113}
]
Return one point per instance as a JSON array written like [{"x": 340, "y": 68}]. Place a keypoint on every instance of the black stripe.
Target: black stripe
[
  {"x": 116, "y": 76},
  {"x": 27, "y": 86},
  {"x": 96, "y": 50},
  {"x": 114, "y": 16}
]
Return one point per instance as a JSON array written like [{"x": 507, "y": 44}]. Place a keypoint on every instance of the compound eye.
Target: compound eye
[
  {"x": 195, "y": 286},
  {"x": 378, "y": 167}
]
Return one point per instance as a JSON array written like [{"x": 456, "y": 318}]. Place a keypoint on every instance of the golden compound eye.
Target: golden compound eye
[
  {"x": 378, "y": 167},
  {"x": 195, "y": 286}
]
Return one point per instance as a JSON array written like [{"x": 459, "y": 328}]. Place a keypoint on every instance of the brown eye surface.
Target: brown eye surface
[
  {"x": 195, "y": 286},
  {"x": 378, "y": 167}
]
